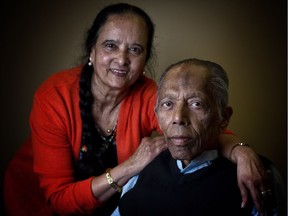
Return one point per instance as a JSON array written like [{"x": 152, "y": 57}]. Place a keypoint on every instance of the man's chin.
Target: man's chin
[{"x": 180, "y": 156}]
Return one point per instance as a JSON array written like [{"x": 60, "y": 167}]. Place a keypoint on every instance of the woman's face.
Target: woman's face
[{"x": 119, "y": 55}]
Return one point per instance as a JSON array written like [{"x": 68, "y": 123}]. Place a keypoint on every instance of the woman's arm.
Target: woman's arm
[
  {"x": 251, "y": 173},
  {"x": 148, "y": 149}
]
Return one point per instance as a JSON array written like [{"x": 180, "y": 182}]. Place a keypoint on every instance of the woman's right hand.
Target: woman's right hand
[{"x": 148, "y": 149}]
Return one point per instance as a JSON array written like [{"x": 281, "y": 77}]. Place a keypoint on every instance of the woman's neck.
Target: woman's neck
[
  {"x": 105, "y": 97},
  {"x": 106, "y": 106}
]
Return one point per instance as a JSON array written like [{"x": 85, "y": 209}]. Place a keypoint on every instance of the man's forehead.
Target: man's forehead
[{"x": 187, "y": 75}]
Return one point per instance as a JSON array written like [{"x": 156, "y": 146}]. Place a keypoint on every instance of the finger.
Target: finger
[
  {"x": 151, "y": 147},
  {"x": 158, "y": 138},
  {"x": 157, "y": 149},
  {"x": 158, "y": 144},
  {"x": 244, "y": 195},
  {"x": 256, "y": 197},
  {"x": 266, "y": 196}
]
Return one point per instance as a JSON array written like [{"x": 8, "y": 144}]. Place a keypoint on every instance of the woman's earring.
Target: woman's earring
[
  {"x": 143, "y": 72},
  {"x": 89, "y": 62}
]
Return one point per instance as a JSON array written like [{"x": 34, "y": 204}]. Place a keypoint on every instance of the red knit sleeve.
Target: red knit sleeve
[
  {"x": 229, "y": 132},
  {"x": 54, "y": 139},
  {"x": 150, "y": 103}
]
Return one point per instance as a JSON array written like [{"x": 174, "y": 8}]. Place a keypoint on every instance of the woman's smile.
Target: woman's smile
[{"x": 118, "y": 72}]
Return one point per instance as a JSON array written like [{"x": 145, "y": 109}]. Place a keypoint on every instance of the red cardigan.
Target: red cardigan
[{"x": 56, "y": 138}]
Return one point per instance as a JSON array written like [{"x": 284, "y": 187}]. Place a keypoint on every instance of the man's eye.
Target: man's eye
[
  {"x": 197, "y": 104},
  {"x": 167, "y": 104}
]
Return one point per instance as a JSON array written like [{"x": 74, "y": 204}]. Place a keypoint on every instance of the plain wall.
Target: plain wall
[{"x": 246, "y": 37}]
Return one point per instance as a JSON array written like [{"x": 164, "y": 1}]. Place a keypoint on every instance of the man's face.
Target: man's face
[{"x": 187, "y": 113}]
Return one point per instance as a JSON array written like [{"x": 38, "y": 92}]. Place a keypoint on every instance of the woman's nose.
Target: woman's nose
[{"x": 123, "y": 57}]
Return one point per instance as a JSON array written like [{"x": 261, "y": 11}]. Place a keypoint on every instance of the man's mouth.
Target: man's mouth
[{"x": 180, "y": 140}]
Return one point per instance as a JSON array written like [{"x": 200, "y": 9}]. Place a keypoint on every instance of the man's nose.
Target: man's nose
[{"x": 181, "y": 115}]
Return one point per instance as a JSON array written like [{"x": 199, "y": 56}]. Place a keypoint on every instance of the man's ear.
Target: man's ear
[{"x": 226, "y": 115}]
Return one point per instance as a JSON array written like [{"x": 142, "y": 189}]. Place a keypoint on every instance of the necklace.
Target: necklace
[
  {"x": 105, "y": 118},
  {"x": 110, "y": 137},
  {"x": 110, "y": 127},
  {"x": 109, "y": 130}
]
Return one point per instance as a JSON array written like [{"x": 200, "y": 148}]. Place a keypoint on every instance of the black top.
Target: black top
[{"x": 162, "y": 190}]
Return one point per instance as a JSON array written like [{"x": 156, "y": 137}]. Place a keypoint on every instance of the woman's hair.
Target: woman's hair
[
  {"x": 118, "y": 9},
  {"x": 86, "y": 98},
  {"x": 219, "y": 82}
]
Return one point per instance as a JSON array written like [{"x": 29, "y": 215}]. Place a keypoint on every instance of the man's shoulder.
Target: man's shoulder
[{"x": 266, "y": 161}]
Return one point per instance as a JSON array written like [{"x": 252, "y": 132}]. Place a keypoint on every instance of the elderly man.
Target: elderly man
[{"x": 190, "y": 178}]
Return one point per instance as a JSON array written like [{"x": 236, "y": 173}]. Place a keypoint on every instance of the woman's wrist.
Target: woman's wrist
[
  {"x": 111, "y": 181},
  {"x": 226, "y": 143},
  {"x": 122, "y": 173},
  {"x": 232, "y": 156}
]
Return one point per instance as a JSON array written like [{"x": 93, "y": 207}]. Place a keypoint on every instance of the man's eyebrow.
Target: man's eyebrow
[{"x": 174, "y": 95}]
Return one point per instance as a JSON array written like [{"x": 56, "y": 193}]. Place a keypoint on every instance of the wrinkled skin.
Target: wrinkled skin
[{"x": 187, "y": 114}]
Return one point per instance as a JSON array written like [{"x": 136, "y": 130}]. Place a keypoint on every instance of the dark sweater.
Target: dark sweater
[{"x": 162, "y": 190}]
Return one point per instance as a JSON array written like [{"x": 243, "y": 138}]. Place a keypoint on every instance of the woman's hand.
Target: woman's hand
[
  {"x": 148, "y": 149},
  {"x": 251, "y": 175}
]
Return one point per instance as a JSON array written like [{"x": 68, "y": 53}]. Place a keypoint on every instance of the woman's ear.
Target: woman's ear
[
  {"x": 92, "y": 54},
  {"x": 226, "y": 115}
]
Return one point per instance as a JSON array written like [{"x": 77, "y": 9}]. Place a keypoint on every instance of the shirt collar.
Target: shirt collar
[{"x": 201, "y": 161}]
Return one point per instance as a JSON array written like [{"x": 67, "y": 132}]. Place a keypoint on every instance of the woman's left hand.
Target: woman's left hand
[{"x": 251, "y": 175}]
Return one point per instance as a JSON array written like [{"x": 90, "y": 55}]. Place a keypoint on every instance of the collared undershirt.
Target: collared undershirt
[{"x": 203, "y": 160}]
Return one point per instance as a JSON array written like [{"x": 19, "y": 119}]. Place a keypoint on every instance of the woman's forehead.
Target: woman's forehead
[{"x": 129, "y": 26}]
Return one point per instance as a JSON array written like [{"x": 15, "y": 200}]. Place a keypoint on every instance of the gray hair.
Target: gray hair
[{"x": 218, "y": 84}]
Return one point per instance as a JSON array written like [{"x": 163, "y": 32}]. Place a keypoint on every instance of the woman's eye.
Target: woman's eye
[
  {"x": 135, "y": 50},
  {"x": 110, "y": 46}
]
